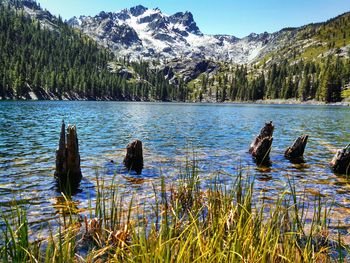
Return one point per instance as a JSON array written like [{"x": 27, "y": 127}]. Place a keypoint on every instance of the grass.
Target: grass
[
  {"x": 346, "y": 93},
  {"x": 183, "y": 222}
]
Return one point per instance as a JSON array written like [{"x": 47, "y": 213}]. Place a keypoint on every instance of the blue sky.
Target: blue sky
[{"x": 234, "y": 17}]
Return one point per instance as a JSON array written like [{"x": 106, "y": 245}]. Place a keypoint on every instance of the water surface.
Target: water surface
[{"x": 219, "y": 135}]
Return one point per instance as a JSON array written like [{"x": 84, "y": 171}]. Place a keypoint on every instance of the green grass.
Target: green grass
[
  {"x": 346, "y": 93},
  {"x": 182, "y": 223}
]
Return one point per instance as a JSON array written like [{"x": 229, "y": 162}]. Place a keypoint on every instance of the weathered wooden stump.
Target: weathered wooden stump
[
  {"x": 133, "y": 160},
  {"x": 261, "y": 146},
  {"x": 296, "y": 151},
  {"x": 68, "y": 172},
  {"x": 341, "y": 161}
]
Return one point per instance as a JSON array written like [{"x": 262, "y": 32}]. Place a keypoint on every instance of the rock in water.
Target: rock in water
[
  {"x": 341, "y": 161},
  {"x": 68, "y": 172},
  {"x": 296, "y": 151},
  {"x": 261, "y": 146},
  {"x": 133, "y": 160}
]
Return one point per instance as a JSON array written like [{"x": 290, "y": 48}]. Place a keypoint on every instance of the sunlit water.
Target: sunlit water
[{"x": 219, "y": 135}]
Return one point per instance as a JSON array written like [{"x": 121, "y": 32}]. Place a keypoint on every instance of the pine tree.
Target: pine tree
[{"x": 304, "y": 88}]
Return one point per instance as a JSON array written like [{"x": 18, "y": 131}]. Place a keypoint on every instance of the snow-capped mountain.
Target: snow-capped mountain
[
  {"x": 142, "y": 33},
  {"x": 147, "y": 34}
]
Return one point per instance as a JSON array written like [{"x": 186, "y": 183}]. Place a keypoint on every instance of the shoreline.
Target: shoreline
[
  {"x": 298, "y": 102},
  {"x": 258, "y": 102}
]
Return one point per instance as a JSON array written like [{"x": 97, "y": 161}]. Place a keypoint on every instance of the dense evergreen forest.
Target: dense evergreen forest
[
  {"x": 55, "y": 61},
  {"x": 317, "y": 71},
  {"x": 323, "y": 80}
]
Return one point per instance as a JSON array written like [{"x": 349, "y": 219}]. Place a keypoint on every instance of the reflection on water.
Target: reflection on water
[{"x": 219, "y": 134}]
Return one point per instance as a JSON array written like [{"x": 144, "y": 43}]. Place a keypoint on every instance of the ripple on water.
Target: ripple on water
[{"x": 219, "y": 135}]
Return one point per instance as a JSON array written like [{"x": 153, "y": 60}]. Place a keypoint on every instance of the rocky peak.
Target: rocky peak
[
  {"x": 142, "y": 33},
  {"x": 104, "y": 15},
  {"x": 228, "y": 38},
  {"x": 186, "y": 19},
  {"x": 122, "y": 16},
  {"x": 159, "y": 24},
  {"x": 32, "y": 9},
  {"x": 31, "y": 4},
  {"x": 124, "y": 35},
  {"x": 150, "y": 18},
  {"x": 258, "y": 37},
  {"x": 138, "y": 10}
]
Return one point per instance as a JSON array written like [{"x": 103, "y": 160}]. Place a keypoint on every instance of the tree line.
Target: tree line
[
  {"x": 58, "y": 60},
  {"x": 321, "y": 80}
]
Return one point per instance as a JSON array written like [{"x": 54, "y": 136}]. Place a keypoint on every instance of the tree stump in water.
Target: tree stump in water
[
  {"x": 133, "y": 160},
  {"x": 341, "y": 161},
  {"x": 296, "y": 151},
  {"x": 261, "y": 146},
  {"x": 68, "y": 172}
]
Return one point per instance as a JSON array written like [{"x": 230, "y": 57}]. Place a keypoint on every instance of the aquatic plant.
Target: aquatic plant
[{"x": 182, "y": 222}]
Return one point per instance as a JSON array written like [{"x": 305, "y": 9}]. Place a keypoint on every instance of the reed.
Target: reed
[{"x": 183, "y": 222}]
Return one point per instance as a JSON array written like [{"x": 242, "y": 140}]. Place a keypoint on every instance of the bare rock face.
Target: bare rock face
[
  {"x": 296, "y": 151},
  {"x": 341, "y": 161},
  {"x": 189, "y": 69},
  {"x": 133, "y": 160},
  {"x": 132, "y": 33},
  {"x": 68, "y": 172},
  {"x": 261, "y": 147}
]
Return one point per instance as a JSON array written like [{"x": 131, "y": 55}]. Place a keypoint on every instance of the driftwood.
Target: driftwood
[
  {"x": 296, "y": 151},
  {"x": 133, "y": 160},
  {"x": 68, "y": 172},
  {"x": 261, "y": 146},
  {"x": 341, "y": 161}
]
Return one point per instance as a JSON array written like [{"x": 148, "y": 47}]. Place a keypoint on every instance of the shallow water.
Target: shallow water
[{"x": 218, "y": 134}]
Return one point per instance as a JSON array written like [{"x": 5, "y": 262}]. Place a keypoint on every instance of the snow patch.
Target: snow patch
[{"x": 172, "y": 39}]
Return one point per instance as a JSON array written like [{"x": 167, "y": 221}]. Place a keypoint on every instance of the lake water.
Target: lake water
[{"x": 219, "y": 136}]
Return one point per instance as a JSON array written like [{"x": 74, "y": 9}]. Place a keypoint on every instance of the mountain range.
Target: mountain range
[
  {"x": 142, "y": 33},
  {"x": 172, "y": 57}
]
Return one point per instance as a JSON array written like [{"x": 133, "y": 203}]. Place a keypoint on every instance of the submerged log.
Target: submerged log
[
  {"x": 133, "y": 160},
  {"x": 68, "y": 172},
  {"x": 296, "y": 151},
  {"x": 261, "y": 146},
  {"x": 341, "y": 161}
]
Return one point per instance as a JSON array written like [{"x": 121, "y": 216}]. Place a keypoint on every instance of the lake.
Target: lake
[{"x": 218, "y": 135}]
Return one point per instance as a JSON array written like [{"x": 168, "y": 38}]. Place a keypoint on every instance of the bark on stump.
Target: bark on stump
[
  {"x": 261, "y": 146},
  {"x": 341, "y": 161},
  {"x": 296, "y": 151},
  {"x": 133, "y": 160},
  {"x": 68, "y": 172}
]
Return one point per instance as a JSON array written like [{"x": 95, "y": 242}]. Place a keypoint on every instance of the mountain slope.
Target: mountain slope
[
  {"x": 44, "y": 58},
  {"x": 160, "y": 57},
  {"x": 307, "y": 63},
  {"x": 314, "y": 41},
  {"x": 141, "y": 33}
]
